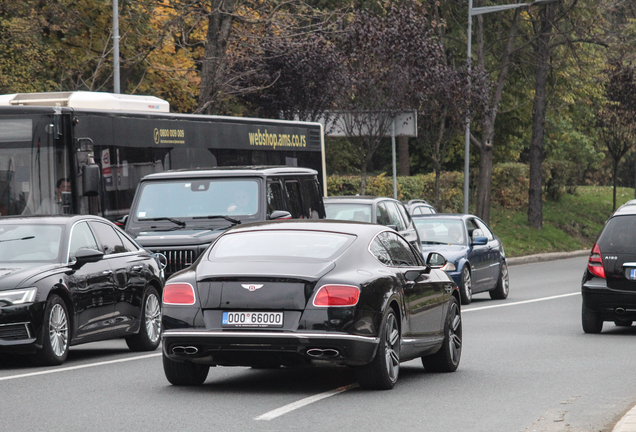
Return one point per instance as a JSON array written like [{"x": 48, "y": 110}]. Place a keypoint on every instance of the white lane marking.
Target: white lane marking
[
  {"x": 303, "y": 402},
  {"x": 70, "y": 368},
  {"x": 521, "y": 302}
]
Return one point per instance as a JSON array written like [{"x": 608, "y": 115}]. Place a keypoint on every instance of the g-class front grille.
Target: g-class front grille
[
  {"x": 178, "y": 260},
  {"x": 15, "y": 331}
]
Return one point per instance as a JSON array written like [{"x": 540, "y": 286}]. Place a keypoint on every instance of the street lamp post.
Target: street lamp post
[
  {"x": 472, "y": 12},
  {"x": 115, "y": 47}
]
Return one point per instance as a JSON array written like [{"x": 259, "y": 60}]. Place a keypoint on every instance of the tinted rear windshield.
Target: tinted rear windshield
[
  {"x": 281, "y": 245},
  {"x": 619, "y": 235}
]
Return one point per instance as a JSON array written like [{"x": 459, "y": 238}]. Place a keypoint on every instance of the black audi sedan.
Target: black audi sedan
[
  {"x": 67, "y": 280},
  {"x": 303, "y": 293}
]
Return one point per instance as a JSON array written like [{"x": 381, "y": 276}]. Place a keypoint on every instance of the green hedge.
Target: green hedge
[{"x": 510, "y": 182}]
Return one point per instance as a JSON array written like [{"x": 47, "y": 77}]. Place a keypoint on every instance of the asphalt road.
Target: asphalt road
[{"x": 526, "y": 366}]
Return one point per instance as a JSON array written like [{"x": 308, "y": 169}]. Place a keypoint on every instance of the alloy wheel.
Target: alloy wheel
[
  {"x": 58, "y": 330},
  {"x": 455, "y": 334},
  {"x": 391, "y": 352},
  {"x": 152, "y": 313}
]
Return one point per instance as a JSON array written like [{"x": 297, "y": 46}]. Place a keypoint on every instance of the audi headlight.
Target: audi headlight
[
  {"x": 449, "y": 266},
  {"x": 18, "y": 296}
]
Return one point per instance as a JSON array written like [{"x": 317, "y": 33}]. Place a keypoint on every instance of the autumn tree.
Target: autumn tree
[
  {"x": 392, "y": 63},
  {"x": 616, "y": 120}
]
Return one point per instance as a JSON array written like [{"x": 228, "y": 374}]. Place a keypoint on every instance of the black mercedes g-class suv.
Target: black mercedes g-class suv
[
  {"x": 609, "y": 282},
  {"x": 179, "y": 213}
]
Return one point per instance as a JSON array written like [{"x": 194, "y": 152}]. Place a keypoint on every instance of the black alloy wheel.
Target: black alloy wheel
[
  {"x": 149, "y": 334},
  {"x": 448, "y": 356},
  {"x": 503, "y": 284},
  {"x": 592, "y": 322},
  {"x": 55, "y": 333},
  {"x": 184, "y": 373},
  {"x": 466, "y": 286},
  {"x": 382, "y": 373}
]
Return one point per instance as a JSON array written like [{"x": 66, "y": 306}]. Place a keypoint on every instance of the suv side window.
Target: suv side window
[
  {"x": 312, "y": 198},
  {"x": 275, "y": 200},
  {"x": 382, "y": 214},
  {"x": 394, "y": 216},
  {"x": 295, "y": 200},
  {"x": 405, "y": 214}
]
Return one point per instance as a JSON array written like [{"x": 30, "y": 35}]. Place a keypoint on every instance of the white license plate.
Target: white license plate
[{"x": 252, "y": 319}]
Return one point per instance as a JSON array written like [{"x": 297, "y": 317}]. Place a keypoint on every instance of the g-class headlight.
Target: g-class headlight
[{"x": 17, "y": 296}]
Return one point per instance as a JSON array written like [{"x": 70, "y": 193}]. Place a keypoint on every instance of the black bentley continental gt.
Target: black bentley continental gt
[
  {"x": 66, "y": 280},
  {"x": 302, "y": 293}
]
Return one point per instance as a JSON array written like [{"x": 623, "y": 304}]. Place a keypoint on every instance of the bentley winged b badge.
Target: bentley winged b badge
[{"x": 251, "y": 287}]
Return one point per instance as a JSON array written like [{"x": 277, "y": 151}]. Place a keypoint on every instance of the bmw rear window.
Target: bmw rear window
[
  {"x": 281, "y": 245},
  {"x": 619, "y": 235}
]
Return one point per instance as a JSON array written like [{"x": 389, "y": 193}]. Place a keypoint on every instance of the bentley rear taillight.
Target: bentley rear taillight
[
  {"x": 178, "y": 294},
  {"x": 337, "y": 295},
  {"x": 595, "y": 263}
]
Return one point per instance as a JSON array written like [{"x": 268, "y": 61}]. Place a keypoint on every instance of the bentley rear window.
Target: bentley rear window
[{"x": 281, "y": 245}]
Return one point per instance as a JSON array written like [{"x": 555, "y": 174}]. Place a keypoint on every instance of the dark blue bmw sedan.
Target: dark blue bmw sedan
[{"x": 475, "y": 256}]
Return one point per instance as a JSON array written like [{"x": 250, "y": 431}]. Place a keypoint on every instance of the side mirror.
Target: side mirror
[
  {"x": 480, "y": 241},
  {"x": 90, "y": 180},
  {"x": 84, "y": 256},
  {"x": 121, "y": 222},
  {"x": 412, "y": 275},
  {"x": 436, "y": 260},
  {"x": 280, "y": 214}
]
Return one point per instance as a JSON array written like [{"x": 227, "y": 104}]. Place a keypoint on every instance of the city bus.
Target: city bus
[{"x": 85, "y": 152}]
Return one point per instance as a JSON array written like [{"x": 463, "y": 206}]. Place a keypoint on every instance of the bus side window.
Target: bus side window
[{"x": 275, "y": 200}]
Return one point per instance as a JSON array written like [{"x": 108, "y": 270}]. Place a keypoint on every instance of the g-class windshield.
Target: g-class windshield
[{"x": 197, "y": 199}]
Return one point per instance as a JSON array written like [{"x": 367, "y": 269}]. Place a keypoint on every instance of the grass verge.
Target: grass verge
[{"x": 569, "y": 224}]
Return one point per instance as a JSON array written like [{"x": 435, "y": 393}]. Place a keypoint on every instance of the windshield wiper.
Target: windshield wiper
[
  {"x": 227, "y": 218},
  {"x": 169, "y": 219},
  {"x": 434, "y": 242},
  {"x": 14, "y": 239}
]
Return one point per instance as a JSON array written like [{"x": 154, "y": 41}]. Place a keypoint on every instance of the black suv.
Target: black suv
[
  {"x": 179, "y": 213},
  {"x": 609, "y": 283}
]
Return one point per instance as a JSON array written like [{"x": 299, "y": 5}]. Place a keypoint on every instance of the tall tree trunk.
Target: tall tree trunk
[
  {"x": 404, "y": 168},
  {"x": 485, "y": 174},
  {"x": 542, "y": 55},
  {"x": 215, "y": 55}
]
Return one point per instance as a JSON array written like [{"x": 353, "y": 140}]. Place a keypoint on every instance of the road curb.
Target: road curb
[
  {"x": 627, "y": 423},
  {"x": 550, "y": 256}
]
